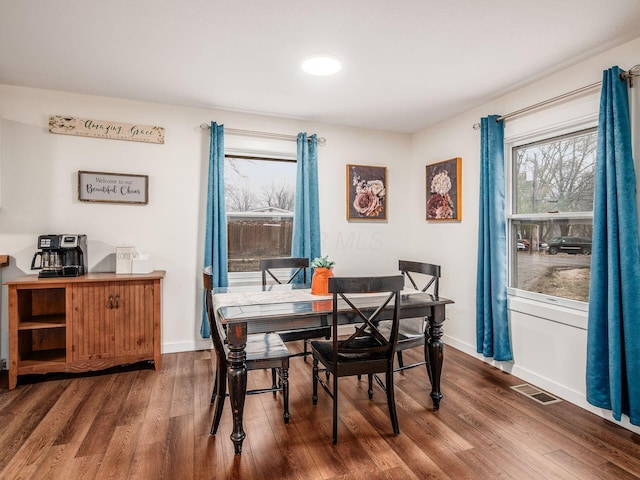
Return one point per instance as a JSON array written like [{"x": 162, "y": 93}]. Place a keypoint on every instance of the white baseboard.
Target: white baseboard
[{"x": 190, "y": 346}]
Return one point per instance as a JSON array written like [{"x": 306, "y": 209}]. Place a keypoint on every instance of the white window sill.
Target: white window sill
[
  {"x": 241, "y": 279},
  {"x": 566, "y": 312}
]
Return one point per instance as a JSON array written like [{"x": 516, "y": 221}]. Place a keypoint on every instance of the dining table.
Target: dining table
[{"x": 244, "y": 310}]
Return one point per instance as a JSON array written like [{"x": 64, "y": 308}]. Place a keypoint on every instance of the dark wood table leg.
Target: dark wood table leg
[
  {"x": 237, "y": 376},
  {"x": 434, "y": 352}
]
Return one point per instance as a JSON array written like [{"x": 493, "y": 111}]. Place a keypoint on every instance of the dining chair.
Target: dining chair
[
  {"x": 297, "y": 268},
  {"x": 424, "y": 277},
  {"x": 264, "y": 351},
  {"x": 411, "y": 331},
  {"x": 367, "y": 351}
]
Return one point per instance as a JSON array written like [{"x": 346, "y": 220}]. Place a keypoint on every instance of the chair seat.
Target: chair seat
[
  {"x": 410, "y": 332},
  {"x": 410, "y": 335},
  {"x": 325, "y": 351},
  {"x": 263, "y": 347},
  {"x": 304, "y": 333}
]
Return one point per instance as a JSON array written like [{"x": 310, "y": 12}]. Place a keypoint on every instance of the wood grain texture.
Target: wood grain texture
[
  {"x": 138, "y": 423},
  {"x": 85, "y": 323},
  {"x": 92, "y": 320}
]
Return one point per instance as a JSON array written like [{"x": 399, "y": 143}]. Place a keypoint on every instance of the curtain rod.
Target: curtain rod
[
  {"x": 253, "y": 133},
  {"x": 633, "y": 72}
]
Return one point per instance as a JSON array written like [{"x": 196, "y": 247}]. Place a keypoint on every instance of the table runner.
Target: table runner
[{"x": 236, "y": 299}]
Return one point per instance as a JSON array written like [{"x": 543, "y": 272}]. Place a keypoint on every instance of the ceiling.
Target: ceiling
[{"x": 407, "y": 64}]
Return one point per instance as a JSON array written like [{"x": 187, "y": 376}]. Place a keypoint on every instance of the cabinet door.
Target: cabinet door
[
  {"x": 93, "y": 321},
  {"x": 134, "y": 319}
]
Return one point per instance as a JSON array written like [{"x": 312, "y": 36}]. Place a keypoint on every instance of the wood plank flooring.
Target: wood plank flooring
[{"x": 137, "y": 423}]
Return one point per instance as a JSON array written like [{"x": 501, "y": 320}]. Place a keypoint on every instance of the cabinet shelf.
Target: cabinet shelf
[
  {"x": 43, "y": 321},
  {"x": 46, "y": 357}
]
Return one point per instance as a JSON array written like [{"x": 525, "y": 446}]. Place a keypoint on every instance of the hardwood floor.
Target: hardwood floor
[{"x": 142, "y": 424}]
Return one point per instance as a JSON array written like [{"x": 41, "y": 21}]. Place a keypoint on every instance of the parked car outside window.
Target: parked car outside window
[
  {"x": 573, "y": 245},
  {"x": 551, "y": 186}
]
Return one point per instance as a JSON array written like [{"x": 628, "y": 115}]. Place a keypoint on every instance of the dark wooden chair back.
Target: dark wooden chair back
[
  {"x": 429, "y": 269},
  {"x": 218, "y": 334},
  {"x": 377, "y": 346},
  {"x": 424, "y": 277},
  {"x": 298, "y": 266}
]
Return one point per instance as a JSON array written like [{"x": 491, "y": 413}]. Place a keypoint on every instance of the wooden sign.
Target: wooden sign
[
  {"x": 85, "y": 127},
  {"x": 113, "y": 187}
]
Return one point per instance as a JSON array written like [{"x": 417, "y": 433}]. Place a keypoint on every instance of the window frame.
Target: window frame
[
  {"x": 576, "y": 126},
  {"x": 253, "y": 277}
]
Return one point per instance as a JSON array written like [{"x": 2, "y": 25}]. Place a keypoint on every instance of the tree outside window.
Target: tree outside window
[
  {"x": 260, "y": 199},
  {"x": 551, "y": 220}
]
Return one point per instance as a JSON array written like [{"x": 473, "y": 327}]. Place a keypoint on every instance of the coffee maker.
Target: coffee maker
[{"x": 61, "y": 256}]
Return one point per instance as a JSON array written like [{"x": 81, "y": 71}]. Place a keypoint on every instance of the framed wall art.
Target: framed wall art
[
  {"x": 444, "y": 190},
  {"x": 366, "y": 192},
  {"x": 113, "y": 187}
]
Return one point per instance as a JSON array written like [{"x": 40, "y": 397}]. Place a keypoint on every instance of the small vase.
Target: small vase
[{"x": 320, "y": 280}]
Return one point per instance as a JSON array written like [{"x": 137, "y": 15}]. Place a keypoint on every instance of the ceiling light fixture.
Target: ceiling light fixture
[{"x": 321, "y": 65}]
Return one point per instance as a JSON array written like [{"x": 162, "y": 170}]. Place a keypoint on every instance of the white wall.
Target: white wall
[
  {"x": 548, "y": 353},
  {"x": 38, "y": 174}
]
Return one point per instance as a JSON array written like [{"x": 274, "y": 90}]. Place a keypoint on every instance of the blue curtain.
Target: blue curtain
[
  {"x": 492, "y": 326},
  {"x": 306, "y": 220},
  {"x": 613, "y": 336},
  {"x": 215, "y": 244}
]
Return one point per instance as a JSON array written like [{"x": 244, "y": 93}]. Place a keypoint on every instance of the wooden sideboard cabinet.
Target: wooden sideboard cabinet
[{"x": 79, "y": 324}]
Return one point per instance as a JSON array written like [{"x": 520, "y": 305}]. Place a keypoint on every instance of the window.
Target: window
[
  {"x": 551, "y": 218},
  {"x": 260, "y": 199}
]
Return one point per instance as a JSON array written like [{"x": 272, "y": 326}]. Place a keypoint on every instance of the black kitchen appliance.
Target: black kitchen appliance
[{"x": 61, "y": 256}]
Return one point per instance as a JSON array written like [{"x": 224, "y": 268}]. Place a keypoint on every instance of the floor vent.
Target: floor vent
[{"x": 536, "y": 394}]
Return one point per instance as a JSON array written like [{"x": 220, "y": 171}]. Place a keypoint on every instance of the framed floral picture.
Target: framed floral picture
[
  {"x": 444, "y": 190},
  {"x": 366, "y": 192}
]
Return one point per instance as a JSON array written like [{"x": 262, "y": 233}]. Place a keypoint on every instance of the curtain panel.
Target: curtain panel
[
  {"x": 492, "y": 325},
  {"x": 306, "y": 220},
  {"x": 215, "y": 244},
  {"x": 613, "y": 335}
]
